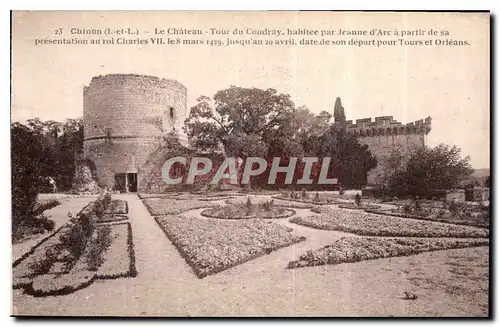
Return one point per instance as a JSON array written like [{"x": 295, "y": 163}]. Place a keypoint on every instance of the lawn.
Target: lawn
[
  {"x": 213, "y": 245},
  {"x": 368, "y": 224}
]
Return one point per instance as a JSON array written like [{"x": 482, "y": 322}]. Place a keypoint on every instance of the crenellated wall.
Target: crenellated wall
[
  {"x": 385, "y": 134},
  {"x": 125, "y": 119}
]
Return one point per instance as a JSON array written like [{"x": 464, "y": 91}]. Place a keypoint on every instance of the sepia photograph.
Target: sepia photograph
[{"x": 250, "y": 164}]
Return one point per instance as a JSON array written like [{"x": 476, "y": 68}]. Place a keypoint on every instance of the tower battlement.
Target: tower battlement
[
  {"x": 386, "y": 125},
  {"x": 383, "y": 134}
]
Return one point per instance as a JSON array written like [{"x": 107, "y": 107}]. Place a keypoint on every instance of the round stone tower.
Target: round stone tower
[{"x": 125, "y": 119}]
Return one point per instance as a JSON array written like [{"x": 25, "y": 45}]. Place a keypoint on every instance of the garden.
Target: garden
[
  {"x": 477, "y": 215},
  {"x": 210, "y": 246},
  {"x": 369, "y": 224},
  {"x": 317, "y": 199},
  {"x": 97, "y": 243},
  {"x": 248, "y": 210},
  {"x": 168, "y": 206},
  {"x": 354, "y": 249}
]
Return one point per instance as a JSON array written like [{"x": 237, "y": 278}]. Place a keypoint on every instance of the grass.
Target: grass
[
  {"x": 368, "y": 224},
  {"x": 213, "y": 245},
  {"x": 354, "y": 249}
]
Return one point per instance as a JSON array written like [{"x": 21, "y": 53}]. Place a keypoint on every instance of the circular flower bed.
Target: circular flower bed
[{"x": 241, "y": 212}]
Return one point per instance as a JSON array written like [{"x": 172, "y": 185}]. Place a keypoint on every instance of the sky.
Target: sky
[{"x": 449, "y": 83}]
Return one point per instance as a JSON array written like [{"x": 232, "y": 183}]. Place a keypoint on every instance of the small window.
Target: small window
[{"x": 171, "y": 112}]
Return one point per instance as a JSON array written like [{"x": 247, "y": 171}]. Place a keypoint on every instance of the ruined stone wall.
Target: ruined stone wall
[{"x": 125, "y": 119}]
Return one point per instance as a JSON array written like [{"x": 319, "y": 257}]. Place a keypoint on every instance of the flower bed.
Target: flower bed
[
  {"x": 213, "y": 198},
  {"x": 114, "y": 260},
  {"x": 143, "y": 196},
  {"x": 216, "y": 194},
  {"x": 321, "y": 200},
  {"x": 30, "y": 264},
  {"x": 117, "y": 207},
  {"x": 212, "y": 245},
  {"x": 78, "y": 253},
  {"x": 360, "y": 207},
  {"x": 353, "y": 249},
  {"x": 364, "y": 223},
  {"x": 158, "y": 207},
  {"x": 107, "y": 218},
  {"x": 277, "y": 203},
  {"x": 240, "y": 212},
  {"x": 450, "y": 219}
]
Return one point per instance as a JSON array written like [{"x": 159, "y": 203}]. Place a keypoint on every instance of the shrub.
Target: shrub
[
  {"x": 98, "y": 247},
  {"x": 75, "y": 239},
  {"x": 268, "y": 205},
  {"x": 407, "y": 208},
  {"x": 43, "y": 265},
  {"x": 41, "y": 207},
  {"x": 357, "y": 199},
  {"x": 48, "y": 224},
  {"x": 454, "y": 208},
  {"x": 441, "y": 213},
  {"x": 304, "y": 194},
  {"x": 249, "y": 206},
  {"x": 316, "y": 197},
  {"x": 417, "y": 206}
]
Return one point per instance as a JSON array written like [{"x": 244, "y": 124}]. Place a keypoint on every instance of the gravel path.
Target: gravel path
[{"x": 166, "y": 285}]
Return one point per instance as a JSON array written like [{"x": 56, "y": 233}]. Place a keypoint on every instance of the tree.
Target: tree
[
  {"x": 351, "y": 160},
  {"x": 244, "y": 121},
  {"x": 61, "y": 145},
  {"x": 338, "y": 112},
  {"x": 26, "y": 152},
  {"x": 426, "y": 170},
  {"x": 70, "y": 150}
]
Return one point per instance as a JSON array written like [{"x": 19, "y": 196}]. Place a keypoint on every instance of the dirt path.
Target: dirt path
[{"x": 166, "y": 285}]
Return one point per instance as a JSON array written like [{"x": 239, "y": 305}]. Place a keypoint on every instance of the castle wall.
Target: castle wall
[
  {"x": 382, "y": 145},
  {"x": 384, "y": 135},
  {"x": 125, "y": 119}
]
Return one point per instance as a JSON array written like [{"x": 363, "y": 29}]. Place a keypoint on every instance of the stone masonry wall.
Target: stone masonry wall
[
  {"x": 385, "y": 134},
  {"x": 382, "y": 145},
  {"x": 125, "y": 119}
]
